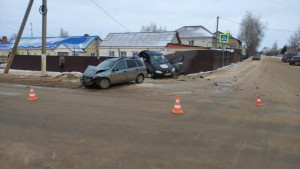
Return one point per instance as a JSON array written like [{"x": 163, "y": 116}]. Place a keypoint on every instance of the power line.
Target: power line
[
  {"x": 278, "y": 30},
  {"x": 110, "y": 16},
  {"x": 30, "y": 29}
]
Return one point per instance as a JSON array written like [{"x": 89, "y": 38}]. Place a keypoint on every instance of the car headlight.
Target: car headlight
[
  {"x": 158, "y": 71},
  {"x": 173, "y": 70}
]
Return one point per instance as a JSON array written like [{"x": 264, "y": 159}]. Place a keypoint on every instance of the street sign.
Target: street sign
[{"x": 224, "y": 38}]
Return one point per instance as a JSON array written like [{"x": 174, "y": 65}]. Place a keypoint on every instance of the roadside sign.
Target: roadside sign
[{"x": 224, "y": 38}]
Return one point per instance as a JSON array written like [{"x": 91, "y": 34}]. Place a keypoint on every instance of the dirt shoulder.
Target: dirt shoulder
[
  {"x": 53, "y": 79},
  {"x": 268, "y": 77}
]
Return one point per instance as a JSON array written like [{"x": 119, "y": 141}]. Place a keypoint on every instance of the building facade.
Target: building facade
[
  {"x": 5, "y": 50},
  {"x": 198, "y": 36},
  {"x": 67, "y": 46},
  {"x": 130, "y": 44}
]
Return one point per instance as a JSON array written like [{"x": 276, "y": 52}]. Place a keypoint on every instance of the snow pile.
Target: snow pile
[
  {"x": 38, "y": 73},
  {"x": 2, "y": 66}
]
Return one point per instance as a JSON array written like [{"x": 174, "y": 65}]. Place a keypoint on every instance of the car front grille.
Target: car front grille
[{"x": 87, "y": 79}]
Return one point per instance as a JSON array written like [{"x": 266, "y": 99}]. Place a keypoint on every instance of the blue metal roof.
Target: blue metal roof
[
  {"x": 6, "y": 46},
  {"x": 71, "y": 42}
]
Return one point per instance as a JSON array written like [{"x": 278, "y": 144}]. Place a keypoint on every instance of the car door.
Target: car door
[
  {"x": 177, "y": 62},
  {"x": 132, "y": 70},
  {"x": 141, "y": 67},
  {"x": 119, "y": 72}
]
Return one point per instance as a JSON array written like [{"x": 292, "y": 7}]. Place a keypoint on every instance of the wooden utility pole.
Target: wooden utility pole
[
  {"x": 15, "y": 47},
  {"x": 217, "y": 30},
  {"x": 43, "y": 11}
]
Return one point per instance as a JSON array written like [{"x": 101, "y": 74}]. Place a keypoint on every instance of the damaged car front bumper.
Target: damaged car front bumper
[{"x": 87, "y": 81}]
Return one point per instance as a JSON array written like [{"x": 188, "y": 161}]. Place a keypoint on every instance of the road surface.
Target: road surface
[{"x": 130, "y": 126}]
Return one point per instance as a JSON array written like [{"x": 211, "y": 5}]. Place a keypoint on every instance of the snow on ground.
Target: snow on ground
[
  {"x": 38, "y": 73},
  {"x": 2, "y": 66},
  {"x": 222, "y": 68}
]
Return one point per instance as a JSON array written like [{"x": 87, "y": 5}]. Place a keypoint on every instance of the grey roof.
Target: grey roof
[
  {"x": 194, "y": 32},
  {"x": 138, "y": 39}
]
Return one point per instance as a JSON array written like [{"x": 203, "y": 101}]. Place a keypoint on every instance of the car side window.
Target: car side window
[
  {"x": 121, "y": 65},
  {"x": 131, "y": 64},
  {"x": 139, "y": 63}
]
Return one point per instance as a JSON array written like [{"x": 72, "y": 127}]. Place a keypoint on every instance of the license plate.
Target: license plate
[{"x": 168, "y": 74}]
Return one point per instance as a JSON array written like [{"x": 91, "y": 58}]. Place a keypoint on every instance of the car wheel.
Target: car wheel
[
  {"x": 139, "y": 79},
  {"x": 103, "y": 83}
]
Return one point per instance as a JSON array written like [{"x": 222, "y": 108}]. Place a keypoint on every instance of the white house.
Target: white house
[
  {"x": 129, "y": 44},
  {"x": 68, "y": 46},
  {"x": 197, "y": 36}
]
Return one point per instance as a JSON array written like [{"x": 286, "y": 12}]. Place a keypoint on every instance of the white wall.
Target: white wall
[
  {"x": 104, "y": 51},
  {"x": 62, "y": 48},
  {"x": 205, "y": 42}
]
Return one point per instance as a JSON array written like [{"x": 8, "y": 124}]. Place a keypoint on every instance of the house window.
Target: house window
[
  {"x": 93, "y": 54},
  {"x": 191, "y": 43},
  {"x": 48, "y": 54},
  {"x": 34, "y": 53},
  {"x": 123, "y": 54},
  {"x": 111, "y": 53},
  {"x": 62, "y": 53},
  {"x": 134, "y": 53}
]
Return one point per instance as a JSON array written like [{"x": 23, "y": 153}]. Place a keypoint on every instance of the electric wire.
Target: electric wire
[
  {"x": 279, "y": 30},
  {"x": 110, "y": 16}
]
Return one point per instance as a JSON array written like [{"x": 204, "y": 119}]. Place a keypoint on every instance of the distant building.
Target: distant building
[
  {"x": 67, "y": 46},
  {"x": 129, "y": 44},
  {"x": 5, "y": 49},
  {"x": 197, "y": 36}
]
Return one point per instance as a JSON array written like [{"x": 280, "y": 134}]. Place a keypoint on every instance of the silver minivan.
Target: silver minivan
[{"x": 113, "y": 71}]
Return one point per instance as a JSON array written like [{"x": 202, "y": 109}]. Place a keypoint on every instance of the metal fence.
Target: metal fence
[
  {"x": 204, "y": 60},
  {"x": 194, "y": 61},
  {"x": 78, "y": 64}
]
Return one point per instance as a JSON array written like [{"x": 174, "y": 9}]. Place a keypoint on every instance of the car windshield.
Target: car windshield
[
  {"x": 158, "y": 59},
  {"x": 296, "y": 57},
  {"x": 107, "y": 64}
]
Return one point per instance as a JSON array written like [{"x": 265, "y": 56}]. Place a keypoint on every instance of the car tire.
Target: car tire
[
  {"x": 139, "y": 79},
  {"x": 103, "y": 83}
]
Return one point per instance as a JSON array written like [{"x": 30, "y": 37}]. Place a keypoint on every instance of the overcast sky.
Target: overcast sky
[{"x": 83, "y": 16}]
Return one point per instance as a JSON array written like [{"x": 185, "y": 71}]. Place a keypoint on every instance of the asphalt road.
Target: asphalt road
[{"x": 131, "y": 126}]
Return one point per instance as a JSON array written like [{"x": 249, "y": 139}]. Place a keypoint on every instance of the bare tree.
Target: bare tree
[
  {"x": 251, "y": 32},
  {"x": 294, "y": 41},
  {"x": 153, "y": 28},
  {"x": 13, "y": 37},
  {"x": 63, "y": 32}
]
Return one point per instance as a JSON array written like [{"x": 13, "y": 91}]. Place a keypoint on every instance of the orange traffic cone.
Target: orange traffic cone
[
  {"x": 258, "y": 102},
  {"x": 32, "y": 95},
  {"x": 177, "y": 107}
]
